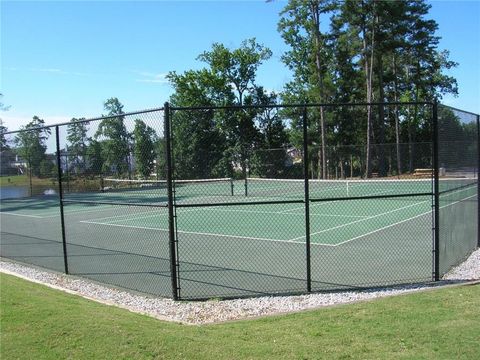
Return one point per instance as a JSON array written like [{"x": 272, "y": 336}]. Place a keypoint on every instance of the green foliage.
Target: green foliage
[
  {"x": 94, "y": 156},
  {"x": 115, "y": 139},
  {"x": 47, "y": 168},
  {"x": 211, "y": 143},
  {"x": 78, "y": 139},
  {"x": 31, "y": 144},
  {"x": 372, "y": 51},
  {"x": 144, "y": 138},
  {"x": 3, "y": 140},
  {"x": 237, "y": 67}
]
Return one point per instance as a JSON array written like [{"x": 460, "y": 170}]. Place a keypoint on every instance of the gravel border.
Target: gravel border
[{"x": 196, "y": 313}]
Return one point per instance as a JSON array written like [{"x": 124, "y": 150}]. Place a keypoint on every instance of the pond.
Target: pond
[{"x": 16, "y": 192}]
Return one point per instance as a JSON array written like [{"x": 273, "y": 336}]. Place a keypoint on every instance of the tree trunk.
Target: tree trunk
[
  {"x": 397, "y": 119},
  {"x": 318, "y": 65},
  {"x": 381, "y": 120},
  {"x": 368, "y": 67},
  {"x": 324, "y": 155}
]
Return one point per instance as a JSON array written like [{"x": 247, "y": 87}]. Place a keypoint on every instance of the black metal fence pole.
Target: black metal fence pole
[
  {"x": 307, "y": 199},
  {"x": 436, "y": 194},
  {"x": 171, "y": 220},
  {"x": 30, "y": 175},
  {"x": 60, "y": 196},
  {"x": 478, "y": 181}
]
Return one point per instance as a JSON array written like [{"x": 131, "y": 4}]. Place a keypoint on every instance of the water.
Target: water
[{"x": 16, "y": 192}]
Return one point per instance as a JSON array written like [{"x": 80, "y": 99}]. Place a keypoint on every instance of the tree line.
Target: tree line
[
  {"x": 110, "y": 151},
  {"x": 345, "y": 52}
]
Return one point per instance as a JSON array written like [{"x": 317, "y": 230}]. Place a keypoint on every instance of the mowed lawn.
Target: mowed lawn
[{"x": 40, "y": 323}]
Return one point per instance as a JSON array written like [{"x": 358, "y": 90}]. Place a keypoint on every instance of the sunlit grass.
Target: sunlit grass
[{"x": 41, "y": 323}]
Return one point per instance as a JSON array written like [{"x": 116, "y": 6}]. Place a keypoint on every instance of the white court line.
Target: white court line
[
  {"x": 292, "y": 241},
  {"x": 321, "y": 203},
  {"x": 117, "y": 216},
  {"x": 76, "y": 212},
  {"x": 385, "y": 213},
  {"x": 24, "y": 215},
  {"x": 45, "y": 216},
  {"x": 194, "y": 232},
  {"x": 143, "y": 217},
  {"x": 400, "y": 222},
  {"x": 276, "y": 212},
  {"x": 215, "y": 208},
  {"x": 367, "y": 218}
]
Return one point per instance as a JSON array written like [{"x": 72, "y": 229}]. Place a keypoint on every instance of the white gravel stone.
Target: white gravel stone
[{"x": 225, "y": 310}]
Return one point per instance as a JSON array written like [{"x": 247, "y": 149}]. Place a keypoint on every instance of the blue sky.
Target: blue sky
[{"x": 62, "y": 59}]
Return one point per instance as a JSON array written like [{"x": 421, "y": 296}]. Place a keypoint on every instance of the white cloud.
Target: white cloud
[
  {"x": 14, "y": 122},
  {"x": 148, "y": 77},
  {"x": 47, "y": 70}
]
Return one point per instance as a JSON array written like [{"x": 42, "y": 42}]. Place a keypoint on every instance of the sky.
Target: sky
[{"x": 63, "y": 59}]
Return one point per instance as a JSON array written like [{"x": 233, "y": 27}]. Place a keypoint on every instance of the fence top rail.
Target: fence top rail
[
  {"x": 305, "y": 105},
  {"x": 232, "y": 107},
  {"x": 460, "y": 110},
  {"x": 85, "y": 120},
  {"x": 446, "y": 180}
]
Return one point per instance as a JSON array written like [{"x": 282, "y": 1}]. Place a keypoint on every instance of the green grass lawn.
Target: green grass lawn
[
  {"x": 40, "y": 323},
  {"x": 23, "y": 180}
]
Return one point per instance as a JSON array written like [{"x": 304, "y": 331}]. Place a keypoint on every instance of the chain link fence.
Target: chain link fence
[{"x": 218, "y": 202}]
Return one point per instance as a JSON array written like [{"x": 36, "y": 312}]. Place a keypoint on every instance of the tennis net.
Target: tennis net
[
  {"x": 345, "y": 188},
  {"x": 196, "y": 187}
]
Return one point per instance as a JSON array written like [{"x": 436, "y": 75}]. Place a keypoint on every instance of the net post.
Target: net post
[
  {"x": 245, "y": 184},
  {"x": 66, "y": 169},
  {"x": 478, "y": 181},
  {"x": 307, "y": 199},
  {"x": 436, "y": 194},
  {"x": 30, "y": 175},
  {"x": 232, "y": 187},
  {"x": 60, "y": 197},
  {"x": 171, "y": 220}
]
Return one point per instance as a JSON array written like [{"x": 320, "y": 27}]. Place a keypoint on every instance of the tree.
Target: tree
[
  {"x": 238, "y": 69},
  {"x": 3, "y": 129},
  {"x": 31, "y": 144},
  {"x": 94, "y": 156},
  {"x": 199, "y": 143},
  {"x": 3, "y": 140},
  {"x": 396, "y": 48},
  {"x": 78, "y": 139},
  {"x": 144, "y": 148},
  {"x": 207, "y": 142},
  {"x": 269, "y": 159},
  {"x": 115, "y": 139},
  {"x": 309, "y": 58}
]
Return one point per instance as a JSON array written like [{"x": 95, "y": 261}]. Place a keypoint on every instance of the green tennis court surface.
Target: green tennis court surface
[
  {"x": 234, "y": 249},
  {"x": 332, "y": 223}
]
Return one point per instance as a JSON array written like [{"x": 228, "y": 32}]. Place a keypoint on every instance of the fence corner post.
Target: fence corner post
[
  {"x": 171, "y": 220},
  {"x": 478, "y": 180},
  {"x": 436, "y": 194},
  {"x": 307, "y": 200},
  {"x": 60, "y": 197}
]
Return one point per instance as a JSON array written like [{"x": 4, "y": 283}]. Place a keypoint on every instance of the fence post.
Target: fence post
[
  {"x": 171, "y": 220},
  {"x": 60, "y": 196},
  {"x": 478, "y": 181},
  {"x": 307, "y": 199},
  {"x": 436, "y": 194},
  {"x": 30, "y": 175}
]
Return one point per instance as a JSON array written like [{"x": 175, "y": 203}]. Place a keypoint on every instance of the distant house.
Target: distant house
[
  {"x": 11, "y": 164},
  {"x": 295, "y": 155}
]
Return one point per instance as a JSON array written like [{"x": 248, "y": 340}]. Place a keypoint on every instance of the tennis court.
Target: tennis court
[{"x": 230, "y": 244}]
